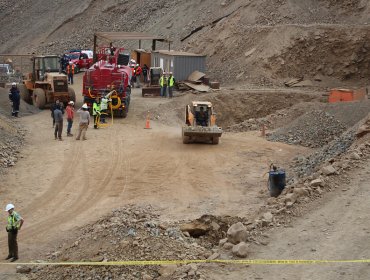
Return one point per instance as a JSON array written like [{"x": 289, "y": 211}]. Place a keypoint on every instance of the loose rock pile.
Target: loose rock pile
[
  {"x": 11, "y": 140},
  {"x": 314, "y": 129}
]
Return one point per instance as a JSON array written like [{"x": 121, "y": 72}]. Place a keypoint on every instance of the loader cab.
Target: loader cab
[
  {"x": 203, "y": 113},
  {"x": 43, "y": 65}
]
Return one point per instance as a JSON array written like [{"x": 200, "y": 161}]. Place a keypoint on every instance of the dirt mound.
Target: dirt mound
[
  {"x": 132, "y": 233},
  {"x": 233, "y": 107},
  {"x": 5, "y": 105}
]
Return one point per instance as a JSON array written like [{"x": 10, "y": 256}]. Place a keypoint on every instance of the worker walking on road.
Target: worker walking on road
[
  {"x": 15, "y": 98},
  {"x": 96, "y": 112},
  {"x": 58, "y": 116},
  {"x": 70, "y": 72},
  {"x": 163, "y": 84},
  {"x": 84, "y": 122},
  {"x": 15, "y": 222},
  {"x": 70, "y": 116},
  {"x": 138, "y": 72},
  {"x": 53, "y": 107},
  {"x": 171, "y": 83}
]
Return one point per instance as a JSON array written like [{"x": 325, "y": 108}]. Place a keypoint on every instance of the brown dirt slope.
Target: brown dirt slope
[{"x": 251, "y": 41}]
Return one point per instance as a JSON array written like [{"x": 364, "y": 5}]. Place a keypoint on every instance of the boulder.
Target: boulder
[
  {"x": 167, "y": 270},
  {"x": 300, "y": 192},
  {"x": 23, "y": 269},
  {"x": 290, "y": 197},
  {"x": 240, "y": 250},
  {"x": 329, "y": 170},
  {"x": 316, "y": 183},
  {"x": 228, "y": 246},
  {"x": 355, "y": 156},
  {"x": 237, "y": 233}
]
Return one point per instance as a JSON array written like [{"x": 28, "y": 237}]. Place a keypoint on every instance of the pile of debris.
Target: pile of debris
[
  {"x": 11, "y": 140},
  {"x": 314, "y": 129},
  {"x": 137, "y": 233}
]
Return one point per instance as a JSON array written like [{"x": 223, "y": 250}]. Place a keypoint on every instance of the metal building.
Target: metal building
[{"x": 181, "y": 64}]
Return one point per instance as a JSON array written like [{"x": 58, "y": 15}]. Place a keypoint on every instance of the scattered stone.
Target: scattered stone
[
  {"x": 237, "y": 233},
  {"x": 290, "y": 197},
  {"x": 23, "y": 269},
  {"x": 228, "y": 246},
  {"x": 328, "y": 170},
  {"x": 240, "y": 250},
  {"x": 316, "y": 183},
  {"x": 355, "y": 156},
  {"x": 214, "y": 256},
  {"x": 167, "y": 270}
]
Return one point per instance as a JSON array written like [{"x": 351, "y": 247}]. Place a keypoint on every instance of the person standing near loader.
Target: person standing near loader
[
  {"x": 103, "y": 108},
  {"x": 171, "y": 83},
  {"x": 58, "y": 116},
  {"x": 15, "y": 222},
  {"x": 96, "y": 112},
  {"x": 70, "y": 72},
  {"x": 163, "y": 84},
  {"x": 15, "y": 98},
  {"x": 70, "y": 116},
  {"x": 84, "y": 122}
]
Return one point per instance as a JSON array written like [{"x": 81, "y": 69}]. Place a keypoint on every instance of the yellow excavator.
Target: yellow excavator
[{"x": 200, "y": 124}]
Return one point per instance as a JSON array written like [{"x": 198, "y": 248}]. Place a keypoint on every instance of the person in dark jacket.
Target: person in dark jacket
[
  {"x": 15, "y": 98},
  {"x": 54, "y": 106},
  {"x": 58, "y": 116},
  {"x": 145, "y": 73}
]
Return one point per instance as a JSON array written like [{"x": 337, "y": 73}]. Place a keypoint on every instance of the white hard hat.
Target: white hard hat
[
  {"x": 70, "y": 62},
  {"x": 71, "y": 102},
  {"x": 85, "y": 106},
  {"x": 8, "y": 207},
  {"x": 14, "y": 84}
]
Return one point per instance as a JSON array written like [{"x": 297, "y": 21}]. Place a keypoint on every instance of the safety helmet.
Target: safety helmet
[
  {"x": 70, "y": 63},
  {"x": 9, "y": 207},
  {"x": 14, "y": 84},
  {"x": 85, "y": 106},
  {"x": 71, "y": 103}
]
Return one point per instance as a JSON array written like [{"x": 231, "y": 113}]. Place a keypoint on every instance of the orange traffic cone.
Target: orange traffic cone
[{"x": 147, "y": 123}]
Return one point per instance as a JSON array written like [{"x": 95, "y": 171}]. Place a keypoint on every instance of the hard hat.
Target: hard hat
[
  {"x": 71, "y": 102},
  {"x": 85, "y": 106},
  {"x": 8, "y": 207},
  {"x": 14, "y": 84},
  {"x": 70, "y": 62}
]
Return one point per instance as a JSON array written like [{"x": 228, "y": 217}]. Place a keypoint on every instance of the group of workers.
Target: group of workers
[
  {"x": 167, "y": 82},
  {"x": 137, "y": 73}
]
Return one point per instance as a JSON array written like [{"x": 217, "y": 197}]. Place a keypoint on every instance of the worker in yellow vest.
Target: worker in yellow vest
[
  {"x": 15, "y": 222},
  {"x": 171, "y": 83},
  {"x": 163, "y": 84}
]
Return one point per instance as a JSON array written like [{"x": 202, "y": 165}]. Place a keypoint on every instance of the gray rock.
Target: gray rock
[
  {"x": 237, "y": 233},
  {"x": 228, "y": 246},
  {"x": 328, "y": 170},
  {"x": 290, "y": 197},
  {"x": 240, "y": 250},
  {"x": 355, "y": 156},
  {"x": 23, "y": 269},
  {"x": 317, "y": 183},
  {"x": 167, "y": 270}
]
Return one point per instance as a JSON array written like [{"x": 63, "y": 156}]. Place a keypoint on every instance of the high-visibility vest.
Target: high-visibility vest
[
  {"x": 96, "y": 108},
  {"x": 12, "y": 221},
  {"x": 171, "y": 81},
  {"x": 162, "y": 81},
  {"x": 69, "y": 68}
]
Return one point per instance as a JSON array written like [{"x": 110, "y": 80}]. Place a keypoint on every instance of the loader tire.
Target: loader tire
[
  {"x": 215, "y": 140},
  {"x": 25, "y": 94},
  {"x": 39, "y": 98},
  {"x": 185, "y": 139}
]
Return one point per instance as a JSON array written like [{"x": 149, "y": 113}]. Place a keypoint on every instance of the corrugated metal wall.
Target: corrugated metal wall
[
  {"x": 185, "y": 65},
  {"x": 181, "y": 66}
]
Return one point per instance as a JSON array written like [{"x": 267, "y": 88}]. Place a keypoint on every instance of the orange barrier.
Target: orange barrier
[{"x": 345, "y": 95}]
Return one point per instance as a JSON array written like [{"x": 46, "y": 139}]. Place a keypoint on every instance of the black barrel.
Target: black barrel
[{"x": 276, "y": 182}]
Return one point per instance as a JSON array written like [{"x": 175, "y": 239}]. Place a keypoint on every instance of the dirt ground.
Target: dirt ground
[{"x": 59, "y": 186}]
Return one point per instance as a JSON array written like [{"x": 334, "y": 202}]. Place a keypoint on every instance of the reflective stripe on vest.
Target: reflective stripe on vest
[{"x": 69, "y": 67}]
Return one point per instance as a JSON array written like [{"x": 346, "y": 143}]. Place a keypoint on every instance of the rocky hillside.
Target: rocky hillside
[{"x": 261, "y": 42}]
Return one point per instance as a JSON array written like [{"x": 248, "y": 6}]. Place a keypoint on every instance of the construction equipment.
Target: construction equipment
[
  {"x": 45, "y": 84},
  {"x": 200, "y": 124},
  {"x": 107, "y": 75},
  {"x": 153, "y": 88}
]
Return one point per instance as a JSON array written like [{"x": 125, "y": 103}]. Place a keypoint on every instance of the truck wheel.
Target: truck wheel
[
  {"x": 123, "y": 113},
  {"x": 215, "y": 140},
  {"x": 39, "y": 98},
  {"x": 25, "y": 95},
  {"x": 71, "y": 94},
  {"x": 185, "y": 139}
]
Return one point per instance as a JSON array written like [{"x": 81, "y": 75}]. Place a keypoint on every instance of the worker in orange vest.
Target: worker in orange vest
[{"x": 70, "y": 72}]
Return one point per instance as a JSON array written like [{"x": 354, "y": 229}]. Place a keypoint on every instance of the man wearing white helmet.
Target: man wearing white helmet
[
  {"x": 15, "y": 222},
  {"x": 84, "y": 121},
  {"x": 15, "y": 98}
]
